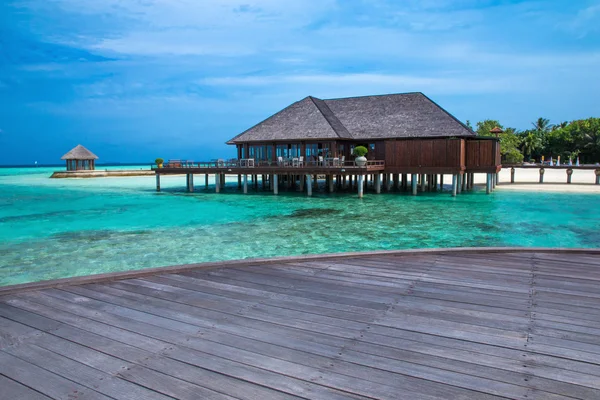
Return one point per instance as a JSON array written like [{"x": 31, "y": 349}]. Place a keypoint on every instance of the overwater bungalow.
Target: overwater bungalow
[
  {"x": 80, "y": 159},
  {"x": 411, "y": 141}
]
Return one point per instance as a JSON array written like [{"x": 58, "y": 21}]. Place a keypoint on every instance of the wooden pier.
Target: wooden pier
[
  {"x": 445, "y": 324},
  {"x": 340, "y": 177}
]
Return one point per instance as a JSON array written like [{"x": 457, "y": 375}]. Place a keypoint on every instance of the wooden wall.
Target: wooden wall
[
  {"x": 482, "y": 153},
  {"x": 425, "y": 155}
]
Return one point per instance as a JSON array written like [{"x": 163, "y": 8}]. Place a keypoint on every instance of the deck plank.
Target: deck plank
[{"x": 429, "y": 326}]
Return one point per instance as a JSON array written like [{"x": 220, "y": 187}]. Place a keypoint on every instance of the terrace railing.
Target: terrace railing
[{"x": 249, "y": 163}]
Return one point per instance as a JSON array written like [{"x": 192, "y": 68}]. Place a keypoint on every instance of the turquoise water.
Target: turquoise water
[{"x": 55, "y": 228}]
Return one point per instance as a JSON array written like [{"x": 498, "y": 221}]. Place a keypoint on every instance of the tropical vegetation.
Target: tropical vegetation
[{"x": 569, "y": 140}]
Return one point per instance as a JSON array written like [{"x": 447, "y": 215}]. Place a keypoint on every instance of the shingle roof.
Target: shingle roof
[
  {"x": 79, "y": 153},
  {"x": 404, "y": 115}
]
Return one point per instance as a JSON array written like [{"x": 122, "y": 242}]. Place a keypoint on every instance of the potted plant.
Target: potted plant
[
  {"x": 159, "y": 162},
  {"x": 360, "y": 152}
]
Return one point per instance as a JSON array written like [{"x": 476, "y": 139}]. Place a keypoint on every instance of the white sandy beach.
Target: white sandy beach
[{"x": 555, "y": 180}]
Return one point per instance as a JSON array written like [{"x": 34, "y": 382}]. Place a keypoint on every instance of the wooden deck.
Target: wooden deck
[{"x": 518, "y": 325}]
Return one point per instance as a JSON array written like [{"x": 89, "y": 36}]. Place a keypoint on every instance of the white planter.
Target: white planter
[{"x": 360, "y": 161}]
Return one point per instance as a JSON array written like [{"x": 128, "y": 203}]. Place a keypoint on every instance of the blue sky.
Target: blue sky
[{"x": 137, "y": 79}]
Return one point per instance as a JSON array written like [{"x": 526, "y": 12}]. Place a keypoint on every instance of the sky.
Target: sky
[{"x": 133, "y": 80}]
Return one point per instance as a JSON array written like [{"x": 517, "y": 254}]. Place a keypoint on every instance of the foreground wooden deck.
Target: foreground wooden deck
[{"x": 426, "y": 326}]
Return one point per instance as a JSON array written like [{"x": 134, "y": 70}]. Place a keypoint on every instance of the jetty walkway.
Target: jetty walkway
[{"x": 442, "y": 324}]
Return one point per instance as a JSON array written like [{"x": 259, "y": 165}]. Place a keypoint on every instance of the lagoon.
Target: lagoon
[{"x": 56, "y": 228}]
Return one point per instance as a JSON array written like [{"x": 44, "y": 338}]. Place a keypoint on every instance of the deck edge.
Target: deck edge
[{"x": 113, "y": 276}]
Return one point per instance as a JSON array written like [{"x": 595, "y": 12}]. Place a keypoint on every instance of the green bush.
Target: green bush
[
  {"x": 159, "y": 161},
  {"x": 513, "y": 156},
  {"x": 360, "y": 151}
]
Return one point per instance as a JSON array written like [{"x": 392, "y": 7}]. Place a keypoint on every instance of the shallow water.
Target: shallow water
[{"x": 55, "y": 228}]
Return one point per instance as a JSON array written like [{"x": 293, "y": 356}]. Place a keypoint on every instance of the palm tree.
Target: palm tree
[
  {"x": 542, "y": 125},
  {"x": 560, "y": 126},
  {"x": 591, "y": 143},
  {"x": 531, "y": 143}
]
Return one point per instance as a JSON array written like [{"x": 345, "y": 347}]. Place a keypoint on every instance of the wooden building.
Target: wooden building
[
  {"x": 408, "y": 136},
  {"x": 409, "y": 132},
  {"x": 80, "y": 159}
]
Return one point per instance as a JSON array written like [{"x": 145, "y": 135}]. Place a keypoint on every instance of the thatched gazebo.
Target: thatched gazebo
[{"x": 80, "y": 159}]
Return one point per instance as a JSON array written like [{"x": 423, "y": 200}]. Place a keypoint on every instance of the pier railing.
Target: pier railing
[{"x": 250, "y": 163}]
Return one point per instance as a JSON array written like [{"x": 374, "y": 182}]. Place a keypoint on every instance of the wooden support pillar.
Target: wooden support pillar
[
  {"x": 344, "y": 177},
  {"x": 423, "y": 182},
  {"x": 217, "y": 183},
  {"x": 222, "y": 180},
  {"x": 350, "y": 184},
  {"x": 413, "y": 183},
  {"x": 239, "y": 181},
  {"x": 463, "y": 181},
  {"x": 309, "y": 184},
  {"x": 302, "y": 180},
  {"x": 488, "y": 183},
  {"x": 542, "y": 170},
  {"x": 569, "y": 174},
  {"x": 512, "y": 175},
  {"x": 245, "y": 183},
  {"x": 458, "y": 183},
  {"x": 275, "y": 184},
  {"x": 434, "y": 182},
  {"x": 396, "y": 181},
  {"x": 441, "y": 181},
  {"x": 454, "y": 184},
  {"x": 206, "y": 181},
  {"x": 191, "y": 183},
  {"x": 378, "y": 183},
  {"x": 271, "y": 182},
  {"x": 158, "y": 182},
  {"x": 361, "y": 179},
  {"x": 330, "y": 183},
  {"x": 494, "y": 178},
  {"x": 316, "y": 181}
]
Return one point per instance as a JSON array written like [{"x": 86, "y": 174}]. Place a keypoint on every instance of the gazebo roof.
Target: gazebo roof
[
  {"x": 79, "y": 153},
  {"x": 497, "y": 130}
]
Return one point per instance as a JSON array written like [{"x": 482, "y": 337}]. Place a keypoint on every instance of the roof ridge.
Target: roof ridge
[{"x": 331, "y": 118}]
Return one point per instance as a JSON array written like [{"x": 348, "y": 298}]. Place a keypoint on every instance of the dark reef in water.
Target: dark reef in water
[
  {"x": 90, "y": 236},
  {"x": 314, "y": 212}
]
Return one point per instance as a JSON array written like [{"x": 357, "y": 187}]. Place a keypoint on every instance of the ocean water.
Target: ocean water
[{"x": 56, "y": 228}]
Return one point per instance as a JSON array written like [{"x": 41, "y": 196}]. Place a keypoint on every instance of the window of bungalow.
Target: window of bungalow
[
  {"x": 324, "y": 150},
  {"x": 340, "y": 150},
  {"x": 282, "y": 150},
  {"x": 311, "y": 152},
  {"x": 295, "y": 149}
]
